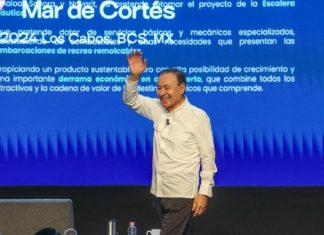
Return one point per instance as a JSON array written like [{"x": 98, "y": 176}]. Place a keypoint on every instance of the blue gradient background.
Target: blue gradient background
[{"x": 273, "y": 138}]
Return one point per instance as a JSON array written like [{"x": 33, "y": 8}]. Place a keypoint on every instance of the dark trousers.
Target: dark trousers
[{"x": 175, "y": 215}]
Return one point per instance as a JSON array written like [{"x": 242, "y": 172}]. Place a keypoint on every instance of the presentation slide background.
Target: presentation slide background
[{"x": 268, "y": 138}]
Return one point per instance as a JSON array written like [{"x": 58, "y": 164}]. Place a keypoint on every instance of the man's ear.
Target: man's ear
[{"x": 182, "y": 88}]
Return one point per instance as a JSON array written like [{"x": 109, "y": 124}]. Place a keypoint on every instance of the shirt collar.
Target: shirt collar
[{"x": 179, "y": 109}]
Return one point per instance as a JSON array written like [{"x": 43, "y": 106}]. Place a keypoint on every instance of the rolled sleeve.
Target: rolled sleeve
[
  {"x": 143, "y": 105},
  {"x": 207, "y": 156}
]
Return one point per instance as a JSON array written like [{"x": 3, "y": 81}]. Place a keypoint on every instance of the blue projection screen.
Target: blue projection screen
[{"x": 255, "y": 66}]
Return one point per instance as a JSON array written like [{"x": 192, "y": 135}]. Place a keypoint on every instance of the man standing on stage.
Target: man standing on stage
[{"x": 183, "y": 153}]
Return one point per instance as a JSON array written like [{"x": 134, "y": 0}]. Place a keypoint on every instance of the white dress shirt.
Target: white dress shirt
[{"x": 183, "y": 146}]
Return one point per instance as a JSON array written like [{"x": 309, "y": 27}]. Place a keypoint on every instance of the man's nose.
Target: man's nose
[{"x": 161, "y": 92}]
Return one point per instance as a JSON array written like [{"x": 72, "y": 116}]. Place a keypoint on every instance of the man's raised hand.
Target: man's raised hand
[{"x": 137, "y": 64}]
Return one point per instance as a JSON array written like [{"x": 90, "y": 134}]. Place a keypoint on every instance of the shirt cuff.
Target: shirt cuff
[
  {"x": 206, "y": 190},
  {"x": 131, "y": 84}
]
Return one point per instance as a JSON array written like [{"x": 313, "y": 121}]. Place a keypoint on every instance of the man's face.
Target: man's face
[{"x": 169, "y": 91}]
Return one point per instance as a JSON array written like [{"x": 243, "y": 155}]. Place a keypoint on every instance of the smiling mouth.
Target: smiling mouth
[{"x": 164, "y": 98}]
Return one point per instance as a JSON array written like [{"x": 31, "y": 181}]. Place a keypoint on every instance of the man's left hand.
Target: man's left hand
[{"x": 199, "y": 205}]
